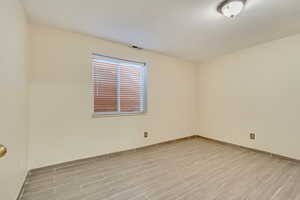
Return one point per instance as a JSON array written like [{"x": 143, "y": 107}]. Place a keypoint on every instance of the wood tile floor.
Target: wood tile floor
[{"x": 192, "y": 169}]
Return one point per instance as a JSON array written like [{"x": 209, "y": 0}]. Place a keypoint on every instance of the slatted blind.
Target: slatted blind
[{"x": 119, "y": 86}]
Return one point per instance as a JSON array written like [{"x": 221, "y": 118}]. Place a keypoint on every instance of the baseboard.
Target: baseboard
[
  {"x": 115, "y": 153},
  {"x": 22, "y": 188},
  {"x": 249, "y": 148}
]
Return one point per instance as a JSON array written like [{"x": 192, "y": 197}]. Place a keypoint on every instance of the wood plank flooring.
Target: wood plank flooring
[{"x": 192, "y": 169}]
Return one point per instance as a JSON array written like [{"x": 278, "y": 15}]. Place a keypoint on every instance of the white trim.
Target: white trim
[
  {"x": 116, "y": 60},
  {"x": 116, "y": 114},
  {"x": 118, "y": 89}
]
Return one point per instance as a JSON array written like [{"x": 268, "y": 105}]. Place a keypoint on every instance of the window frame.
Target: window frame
[{"x": 116, "y": 60}]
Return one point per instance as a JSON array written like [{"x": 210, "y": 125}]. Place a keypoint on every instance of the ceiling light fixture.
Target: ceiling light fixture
[{"x": 231, "y": 8}]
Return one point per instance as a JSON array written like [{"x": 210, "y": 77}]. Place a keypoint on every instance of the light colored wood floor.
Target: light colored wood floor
[{"x": 191, "y": 169}]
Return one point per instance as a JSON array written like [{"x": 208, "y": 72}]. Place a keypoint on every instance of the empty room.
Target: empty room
[{"x": 150, "y": 100}]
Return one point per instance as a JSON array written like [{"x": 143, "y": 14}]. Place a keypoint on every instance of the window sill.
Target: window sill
[{"x": 104, "y": 115}]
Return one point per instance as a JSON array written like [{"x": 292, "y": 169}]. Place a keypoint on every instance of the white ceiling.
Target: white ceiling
[{"x": 190, "y": 29}]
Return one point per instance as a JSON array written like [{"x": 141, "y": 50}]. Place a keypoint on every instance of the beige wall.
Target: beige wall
[
  {"x": 13, "y": 101},
  {"x": 253, "y": 90},
  {"x": 62, "y": 127}
]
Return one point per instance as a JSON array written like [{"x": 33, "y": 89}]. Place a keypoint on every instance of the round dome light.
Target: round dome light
[{"x": 231, "y": 8}]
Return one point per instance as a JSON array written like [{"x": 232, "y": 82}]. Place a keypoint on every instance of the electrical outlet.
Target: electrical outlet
[
  {"x": 145, "y": 134},
  {"x": 252, "y": 136}
]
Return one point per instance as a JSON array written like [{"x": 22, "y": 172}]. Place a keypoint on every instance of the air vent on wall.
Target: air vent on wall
[{"x": 135, "y": 47}]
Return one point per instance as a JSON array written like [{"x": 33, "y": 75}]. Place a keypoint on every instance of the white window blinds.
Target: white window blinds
[{"x": 119, "y": 86}]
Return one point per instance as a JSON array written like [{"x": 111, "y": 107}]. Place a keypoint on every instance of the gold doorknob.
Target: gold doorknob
[{"x": 3, "y": 150}]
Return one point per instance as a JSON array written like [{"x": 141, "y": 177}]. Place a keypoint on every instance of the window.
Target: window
[{"x": 119, "y": 86}]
